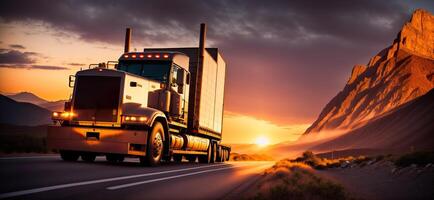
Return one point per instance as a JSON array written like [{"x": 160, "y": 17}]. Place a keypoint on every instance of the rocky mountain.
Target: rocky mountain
[
  {"x": 21, "y": 113},
  {"x": 395, "y": 76},
  {"x": 406, "y": 128},
  {"x": 33, "y": 99}
]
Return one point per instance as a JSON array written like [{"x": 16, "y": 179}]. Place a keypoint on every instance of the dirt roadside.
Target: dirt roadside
[{"x": 382, "y": 180}]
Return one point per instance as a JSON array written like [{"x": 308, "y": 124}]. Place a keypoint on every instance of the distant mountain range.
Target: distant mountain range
[
  {"x": 387, "y": 104},
  {"x": 33, "y": 99},
  {"x": 27, "y": 109},
  {"x": 22, "y": 113}
]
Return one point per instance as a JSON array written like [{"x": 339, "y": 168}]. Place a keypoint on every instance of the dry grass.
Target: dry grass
[
  {"x": 250, "y": 157},
  {"x": 316, "y": 162},
  {"x": 292, "y": 180}
]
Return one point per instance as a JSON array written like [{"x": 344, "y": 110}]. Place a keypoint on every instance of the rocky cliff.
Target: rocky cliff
[{"x": 393, "y": 77}]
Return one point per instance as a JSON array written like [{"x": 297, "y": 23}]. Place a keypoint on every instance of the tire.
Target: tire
[
  {"x": 114, "y": 158},
  {"x": 228, "y": 155},
  {"x": 223, "y": 156},
  {"x": 155, "y": 146},
  {"x": 88, "y": 157},
  {"x": 214, "y": 153},
  {"x": 191, "y": 158},
  {"x": 206, "y": 158},
  {"x": 177, "y": 158},
  {"x": 218, "y": 154},
  {"x": 69, "y": 155}
]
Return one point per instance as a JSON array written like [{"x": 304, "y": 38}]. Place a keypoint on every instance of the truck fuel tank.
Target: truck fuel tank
[{"x": 194, "y": 143}]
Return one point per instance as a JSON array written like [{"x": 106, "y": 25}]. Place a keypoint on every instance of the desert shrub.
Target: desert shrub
[
  {"x": 309, "y": 158},
  {"x": 295, "y": 180},
  {"x": 362, "y": 160},
  {"x": 417, "y": 158}
]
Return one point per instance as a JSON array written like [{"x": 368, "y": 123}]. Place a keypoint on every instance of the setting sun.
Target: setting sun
[{"x": 261, "y": 141}]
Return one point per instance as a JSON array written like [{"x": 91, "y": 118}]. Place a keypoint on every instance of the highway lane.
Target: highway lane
[{"x": 47, "y": 177}]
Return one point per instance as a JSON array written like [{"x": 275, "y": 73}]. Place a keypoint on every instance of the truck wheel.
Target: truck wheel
[
  {"x": 218, "y": 154},
  {"x": 214, "y": 153},
  {"x": 206, "y": 158},
  {"x": 69, "y": 155},
  {"x": 177, "y": 158},
  {"x": 191, "y": 158},
  {"x": 228, "y": 155},
  {"x": 154, "y": 148},
  {"x": 223, "y": 156},
  {"x": 88, "y": 157}
]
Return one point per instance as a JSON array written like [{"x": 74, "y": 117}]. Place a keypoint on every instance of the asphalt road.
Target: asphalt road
[{"x": 48, "y": 177}]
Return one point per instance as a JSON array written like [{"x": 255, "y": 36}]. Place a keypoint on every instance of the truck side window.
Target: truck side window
[{"x": 174, "y": 76}]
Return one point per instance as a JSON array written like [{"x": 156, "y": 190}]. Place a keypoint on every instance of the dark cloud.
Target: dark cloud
[
  {"x": 15, "y": 59},
  {"x": 17, "y": 46},
  {"x": 286, "y": 59},
  {"x": 8, "y": 56},
  {"x": 76, "y": 64},
  {"x": 49, "y": 67},
  {"x": 29, "y": 67}
]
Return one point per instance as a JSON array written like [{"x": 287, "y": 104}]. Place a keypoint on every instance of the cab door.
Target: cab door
[{"x": 179, "y": 92}]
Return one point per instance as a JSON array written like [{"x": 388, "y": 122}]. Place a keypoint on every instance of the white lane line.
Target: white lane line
[
  {"x": 169, "y": 177},
  {"x": 26, "y": 157},
  {"x": 55, "y": 187}
]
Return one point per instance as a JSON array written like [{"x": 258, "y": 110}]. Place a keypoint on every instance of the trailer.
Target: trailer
[{"x": 161, "y": 104}]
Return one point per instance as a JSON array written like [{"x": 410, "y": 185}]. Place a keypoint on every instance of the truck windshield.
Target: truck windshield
[{"x": 152, "y": 69}]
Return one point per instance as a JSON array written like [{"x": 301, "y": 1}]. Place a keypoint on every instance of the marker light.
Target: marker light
[
  {"x": 157, "y": 55},
  {"x": 141, "y": 56},
  {"x": 133, "y": 118},
  {"x": 133, "y": 56},
  {"x": 149, "y": 55},
  {"x": 142, "y": 119},
  {"x": 126, "y": 56},
  {"x": 165, "y": 56}
]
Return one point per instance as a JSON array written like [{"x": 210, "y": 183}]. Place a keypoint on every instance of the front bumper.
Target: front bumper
[{"x": 99, "y": 140}]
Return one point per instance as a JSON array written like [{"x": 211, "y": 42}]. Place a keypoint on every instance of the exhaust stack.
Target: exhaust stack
[
  {"x": 202, "y": 43},
  {"x": 127, "y": 40}
]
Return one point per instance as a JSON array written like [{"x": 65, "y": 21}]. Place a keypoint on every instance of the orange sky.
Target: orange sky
[{"x": 56, "y": 49}]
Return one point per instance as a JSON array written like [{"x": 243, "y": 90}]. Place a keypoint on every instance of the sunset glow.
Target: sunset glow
[{"x": 262, "y": 141}]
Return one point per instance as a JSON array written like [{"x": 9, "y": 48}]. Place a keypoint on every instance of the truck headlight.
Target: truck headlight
[
  {"x": 62, "y": 115},
  {"x": 134, "y": 119}
]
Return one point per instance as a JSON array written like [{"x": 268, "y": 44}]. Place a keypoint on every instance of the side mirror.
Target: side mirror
[
  {"x": 180, "y": 89},
  {"x": 71, "y": 81},
  {"x": 180, "y": 78}
]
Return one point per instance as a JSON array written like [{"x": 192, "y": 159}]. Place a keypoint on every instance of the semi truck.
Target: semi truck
[{"x": 160, "y": 105}]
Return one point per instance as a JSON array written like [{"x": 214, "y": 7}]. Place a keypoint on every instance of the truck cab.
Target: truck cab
[
  {"x": 159, "y": 104},
  {"x": 170, "y": 71}
]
